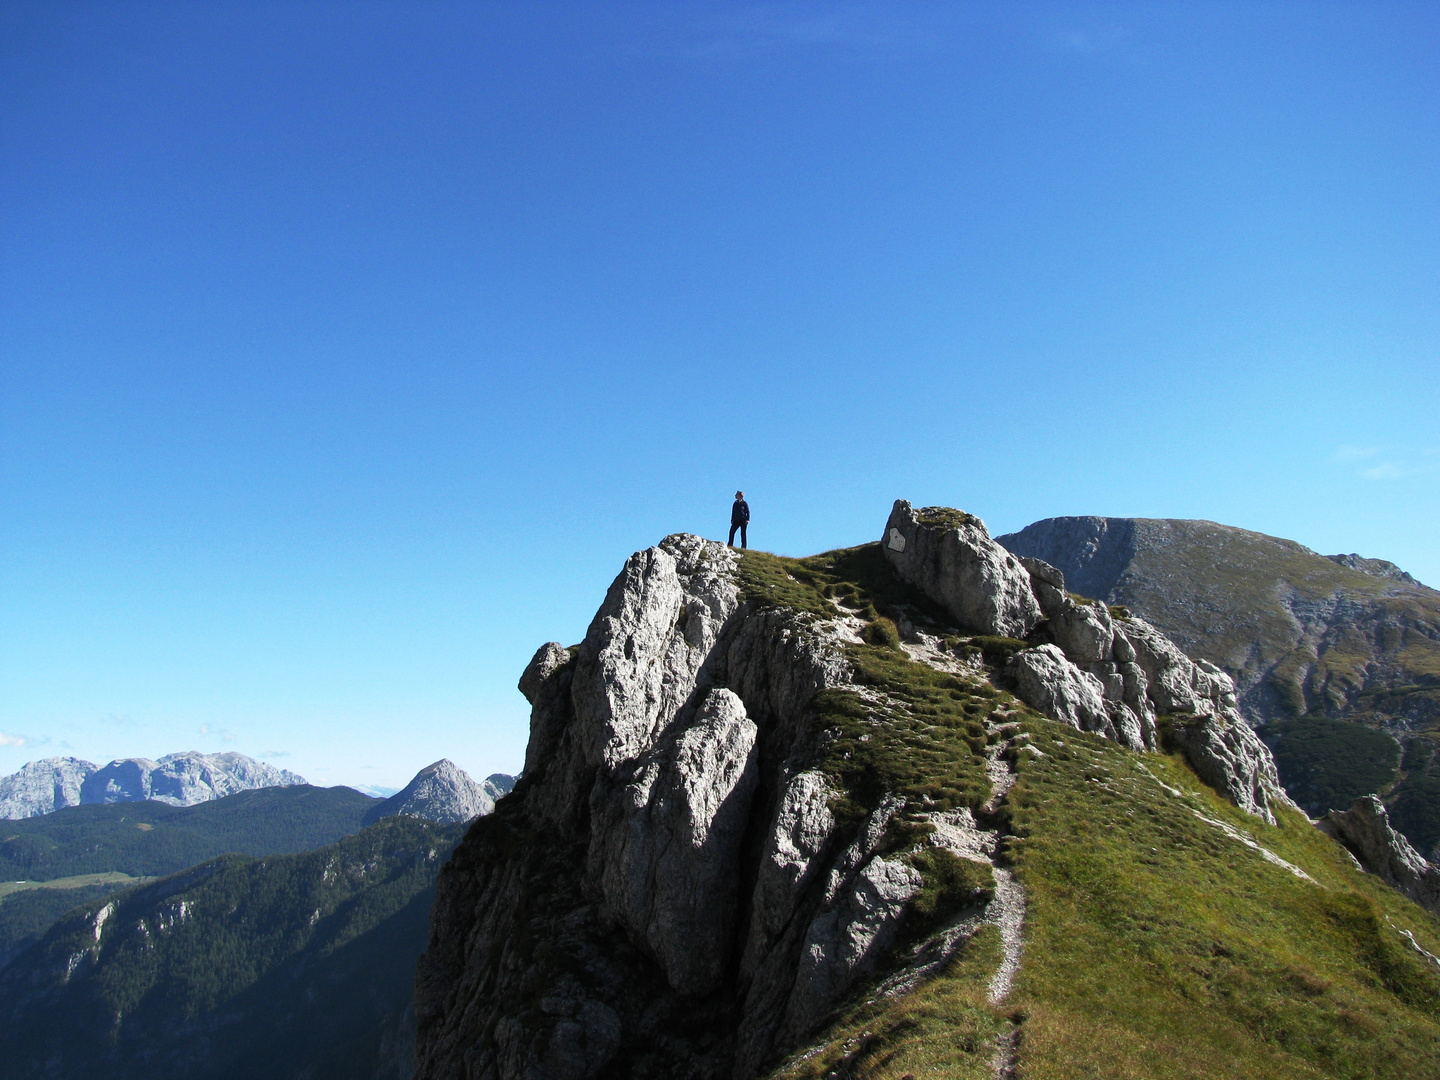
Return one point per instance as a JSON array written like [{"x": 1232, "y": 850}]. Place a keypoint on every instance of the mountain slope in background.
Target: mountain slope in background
[
  {"x": 1316, "y": 645},
  {"x": 288, "y": 966},
  {"x": 444, "y": 793},
  {"x": 79, "y": 853},
  {"x": 184, "y": 779},
  {"x": 151, "y": 839}
]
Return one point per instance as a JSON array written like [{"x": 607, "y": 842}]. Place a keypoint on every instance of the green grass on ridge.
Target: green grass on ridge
[{"x": 1156, "y": 945}]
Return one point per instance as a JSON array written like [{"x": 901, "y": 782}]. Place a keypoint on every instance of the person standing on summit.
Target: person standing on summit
[{"x": 739, "y": 518}]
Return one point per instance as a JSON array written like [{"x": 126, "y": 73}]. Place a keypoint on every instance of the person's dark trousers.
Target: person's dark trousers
[{"x": 741, "y": 526}]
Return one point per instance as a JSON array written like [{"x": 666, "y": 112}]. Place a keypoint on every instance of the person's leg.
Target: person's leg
[
  {"x": 743, "y": 542},
  {"x": 731, "y": 541}
]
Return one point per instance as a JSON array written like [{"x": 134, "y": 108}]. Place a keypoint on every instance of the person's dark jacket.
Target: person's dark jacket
[{"x": 740, "y": 513}]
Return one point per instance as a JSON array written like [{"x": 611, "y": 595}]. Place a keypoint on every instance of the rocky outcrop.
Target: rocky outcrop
[
  {"x": 670, "y": 889},
  {"x": 666, "y": 773},
  {"x": 1297, "y": 631},
  {"x": 1365, "y": 829},
  {"x": 443, "y": 793},
  {"x": 1046, "y": 679},
  {"x": 1307, "y": 639},
  {"x": 1112, "y": 676},
  {"x": 42, "y": 786},
  {"x": 1381, "y": 568},
  {"x": 178, "y": 779},
  {"x": 948, "y": 555}
]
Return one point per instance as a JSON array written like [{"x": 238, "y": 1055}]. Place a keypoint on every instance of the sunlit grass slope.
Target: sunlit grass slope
[{"x": 1157, "y": 943}]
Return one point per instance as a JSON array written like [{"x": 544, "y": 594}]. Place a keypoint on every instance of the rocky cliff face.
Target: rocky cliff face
[
  {"x": 42, "y": 786},
  {"x": 730, "y": 805},
  {"x": 178, "y": 779},
  {"x": 444, "y": 793}
]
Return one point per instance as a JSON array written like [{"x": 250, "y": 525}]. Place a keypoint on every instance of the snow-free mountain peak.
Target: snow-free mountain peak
[{"x": 181, "y": 779}]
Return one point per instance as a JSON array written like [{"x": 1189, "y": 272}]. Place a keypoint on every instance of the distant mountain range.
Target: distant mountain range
[
  {"x": 184, "y": 779},
  {"x": 52, "y": 862}
]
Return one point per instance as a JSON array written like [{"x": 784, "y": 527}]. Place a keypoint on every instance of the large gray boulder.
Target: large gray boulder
[
  {"x": 42, "y": 786},
  {"x": 1366, "y": 830},
  {"x": 949, "y": 556},
  {"x": 1046, "y": 679}
]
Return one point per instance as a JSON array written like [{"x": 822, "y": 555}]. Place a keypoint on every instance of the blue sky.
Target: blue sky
[{"x": 347, "y": 350}]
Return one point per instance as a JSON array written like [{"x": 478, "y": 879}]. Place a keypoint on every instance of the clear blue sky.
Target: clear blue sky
[{"x": 347, "y": 349}]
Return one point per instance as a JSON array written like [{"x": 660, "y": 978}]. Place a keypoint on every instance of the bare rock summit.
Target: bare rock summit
[{"x": 444, "y": 793}]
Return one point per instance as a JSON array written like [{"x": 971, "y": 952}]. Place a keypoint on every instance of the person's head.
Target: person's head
[{"x": 739, "y": 494}]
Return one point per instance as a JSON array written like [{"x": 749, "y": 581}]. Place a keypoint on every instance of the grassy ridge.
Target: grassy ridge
[
  {"x": 1156, "y": 943},
  {"x": 1158, "y": 946}
]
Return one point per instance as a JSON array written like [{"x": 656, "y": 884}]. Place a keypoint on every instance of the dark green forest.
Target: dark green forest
[
  {"x": 152, "y": 839},
  {"x": 175, "y": 977}
]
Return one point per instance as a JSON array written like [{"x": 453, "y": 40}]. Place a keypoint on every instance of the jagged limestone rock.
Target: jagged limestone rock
[
  {"x": 1048, "y": 584},
  {"x": 1045, "y": 678},
  {"x": 1100, "y": 675},
  {"x": 843, "y": 941},
  {"x": 548, "y": 659},
  {"x": 1084, "y": 631},
  {"x": 666, "y": 852},
  {"x": 42, "y": 786},
  {"x": 643, "y": 652},
  {"x": 648, "y": 756},
  {"x": 950, "y": 557},
  {"x": 1366, "y": 830},
  {"x": 802, "y": 827}
]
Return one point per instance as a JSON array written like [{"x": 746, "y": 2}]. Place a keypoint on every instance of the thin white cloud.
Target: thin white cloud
[
  {"x": 1091, "y": 41},
  {"x": 264, "y": 754},
  {"x": 12, "y": 740},
  {"x": 1354, "y": 453},
  {"x": 1389, "y": 470},
  {"x": 1385, "y": 462}
]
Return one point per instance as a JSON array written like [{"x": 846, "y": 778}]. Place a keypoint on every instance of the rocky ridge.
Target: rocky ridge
[
  {"x": 1365, "y": 829},
  {"x": 182, "y": 779},
  {"x": 703, "y": 858},
  {"x": 1299, "y": 632},
  {"x": 1112, "y": 674},
  {"x": 1336, "y": 659},
  {"x": 444, "y": 793}
]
